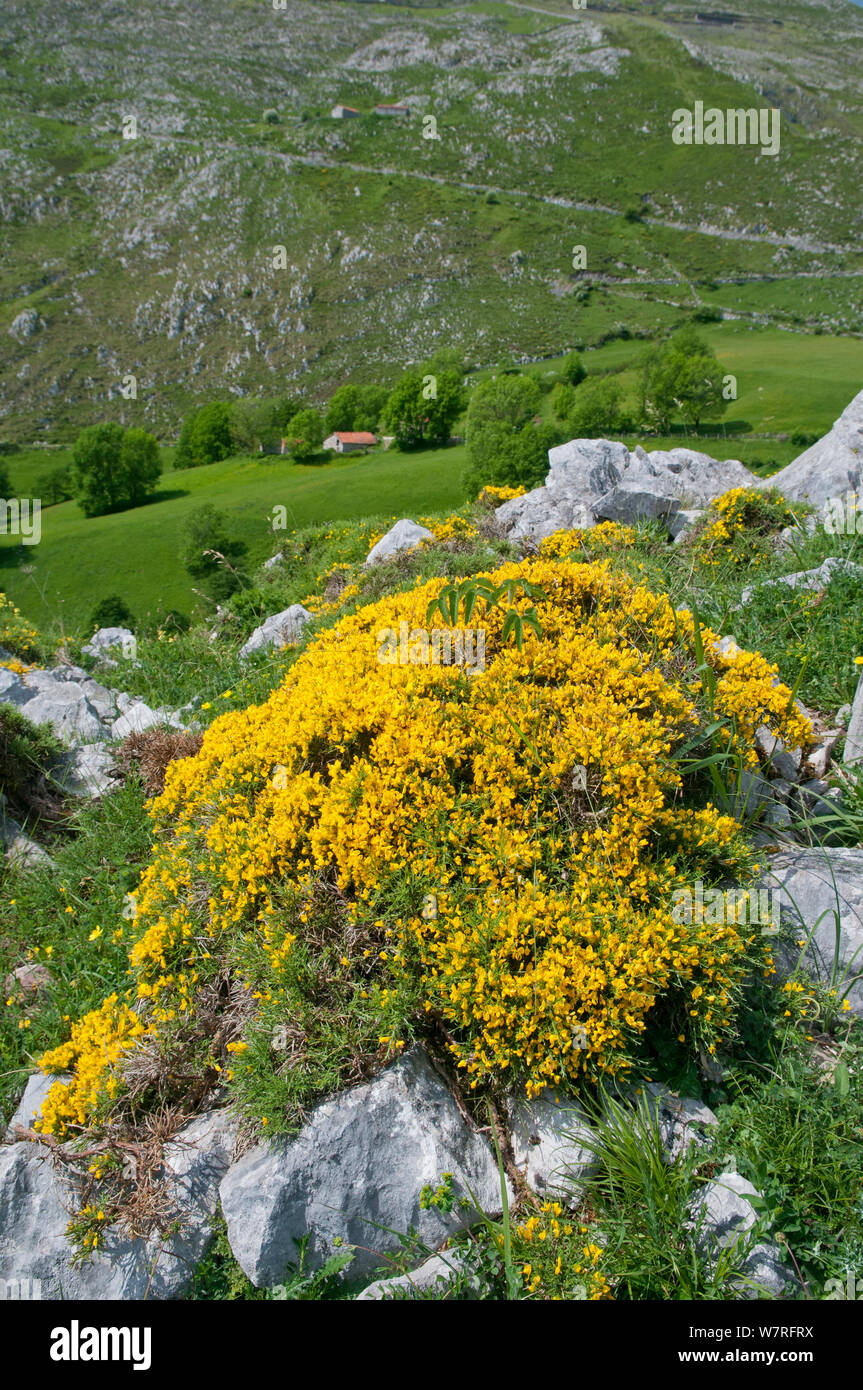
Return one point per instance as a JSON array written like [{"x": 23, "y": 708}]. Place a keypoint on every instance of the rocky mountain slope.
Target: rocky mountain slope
[{"x": 155, "y": 160}]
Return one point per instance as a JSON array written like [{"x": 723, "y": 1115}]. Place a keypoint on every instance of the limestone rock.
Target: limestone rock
[
  {"x": 591, "y": 480},
  {"x": 815, "y": 887},
  {"x": 853, "y": 751},
  {"x": 832, "y": 467},
  {"x": 724, "y": 1216},
  {"x": 107, "y": 639},
  {"x": 356, "y": 1167},
  {"x": 36, "y": 1203},
  {"x": 84, "y": 772},
  {"x": 545, "y": 1131},
  {"x": 433, "y": 1277},
  {"x": 30, "y": 1105},
  {"x": 278, "y": 630},
  {"x": 811, "y": 580},
  {"x": 405, "y": 535}
]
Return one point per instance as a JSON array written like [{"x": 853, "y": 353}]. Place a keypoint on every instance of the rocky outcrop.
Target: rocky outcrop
[
  {"x": 354, "y": 1173},
  {"x": 810, "y": 580},
  {"x": 724, "y": 1217},
  {"x": 821, "y": 892},
  {"x": 278, "y": 630},
  {"x": 829, "y": 469},
  {"x": 80, "y": 710},
  {"x": 546, "y": 1133},
  {"x": 36, "y": 1202},
  {"x": 405, "y": 535},
  {"x": 593, "y": 480}
]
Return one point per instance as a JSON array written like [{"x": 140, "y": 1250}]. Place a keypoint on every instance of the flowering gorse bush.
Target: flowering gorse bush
[
  {"x": 739, "y": 524},
  {"x": 495, "y": 494},
  {"x": 18, "y": 636},
  {"x": 580, "y": 544},
  {"x": 557, "y": 1258},
  {"x": 497, "y": 849}
]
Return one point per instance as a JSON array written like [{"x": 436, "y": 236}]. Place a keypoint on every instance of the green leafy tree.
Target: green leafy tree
[
  {"x": 284, "y": 410},
  {"x": 112, "y": 611},
  {"x": 344, "y": 408},
  {"x": 5, "y": 484},
  {"x": 572, "y": 369},
  {"x": 423, "y": 407},
  {"x": 563, "y": 400},
  {"x": 141, "y": 463},
  {"x": 55, "y": 486},
  {"x": 205, "y": 436},
  {"x": 504, "y": 443},
  {"x": 373, "y": 399},
  {"x": 208, "y": 553},
  {"x": 682, "y": 376},
  {"x": 305, "y": 434},
  {"x": 97, "y": 471},
  {"x": 596, "y": 410}
]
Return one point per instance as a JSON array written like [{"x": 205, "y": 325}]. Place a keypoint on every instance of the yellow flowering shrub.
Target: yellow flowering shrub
[
  {"x": 606, "y": 536},
  {"x": 496, "y": 494},
  {"x": 450, "y": 528},
  {"x": 738, "y": 526},
  {"x": 556, "y": 1257},
  {"x": 18, "y": 636},
  {"x": 97, "y": 1043},
  {"x": 511, "y": 836}
]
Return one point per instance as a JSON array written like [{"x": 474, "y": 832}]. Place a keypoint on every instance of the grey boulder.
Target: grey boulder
[
  {"x": 62, "y": 704},
  {"x": 724, "y": 1217},
  {"x": 820, "y": 893},
  {"x": 683, "y": 1122},
  {"x": 405, "y": 535},
  {"x": 829, "y": 469},
  {"x": 810, "y": 580},
  {"x": 278, "y": 630},
  {"x": 432, "y": 1280},
  {"x": 84, "y": 772},
  {"x": 853, "y": 751},
  {"x": 36, "y": 1203},
  {"x": 118, "y": 640},
  {"x": 30, "y": 1104},
  {"x": 592, "y": 480},
  {"x": 355, "y": 1169},
  {"x": 547, "y": 1133}
]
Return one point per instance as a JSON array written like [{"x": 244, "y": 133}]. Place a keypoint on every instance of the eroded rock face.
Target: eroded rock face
[
  {"x": 829, "y": 469},
  {"x": 546, "y": 1131},
  {"x": 357, "y": 1167},
  {"x": 36, "y": 1203},
  {"x": 592, "y": 480}
]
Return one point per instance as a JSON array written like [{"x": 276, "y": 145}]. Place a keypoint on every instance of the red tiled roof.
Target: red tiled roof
[{"x": 355, "y": 437}]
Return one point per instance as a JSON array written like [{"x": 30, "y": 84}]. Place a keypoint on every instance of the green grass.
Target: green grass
[
  {"x": 785, "y": 381},
  {"x": 68, "y": 917},
  {"x": 135, "y": 553}
]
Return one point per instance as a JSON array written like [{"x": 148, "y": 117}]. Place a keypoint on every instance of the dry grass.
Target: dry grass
[{"x": 150, "y": 752}]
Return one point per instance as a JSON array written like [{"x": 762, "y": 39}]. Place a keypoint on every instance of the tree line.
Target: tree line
[{"x": 507, "y": 438}]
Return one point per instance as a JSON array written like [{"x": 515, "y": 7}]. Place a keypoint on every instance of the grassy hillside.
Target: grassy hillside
[
  {"x": 785, "y": 382},
  {"x": 154, "y": 255}
]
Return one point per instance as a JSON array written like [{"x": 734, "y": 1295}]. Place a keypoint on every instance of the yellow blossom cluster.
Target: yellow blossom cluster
[
  {"x": 607, "y": 535},
  {"x": 498, "y": 495},
  {"x": 18, "y": 636},
  {"x": 536, "y": 803},
  {"x": 97, "y": 1043},
  {"x": 555, "y": 1256},
  {"x": 450, "y": 528},
  {"x": 737, "y": 524}
]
